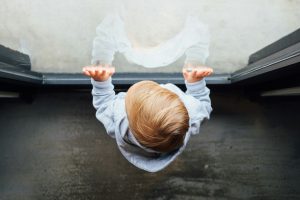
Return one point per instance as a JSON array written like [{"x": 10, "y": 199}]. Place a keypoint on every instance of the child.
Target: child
[{"x": 151, "y": 123}]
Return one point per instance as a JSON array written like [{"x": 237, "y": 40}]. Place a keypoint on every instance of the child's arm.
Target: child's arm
[
  {"x": 196, "y": 86},
  {"x": 103, "y": 94}
]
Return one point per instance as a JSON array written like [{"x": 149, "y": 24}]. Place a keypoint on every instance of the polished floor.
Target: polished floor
[{"x": 54, "y": 148}]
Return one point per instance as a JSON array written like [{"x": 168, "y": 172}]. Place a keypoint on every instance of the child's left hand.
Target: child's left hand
[
  {"x": 195, "y": 73},
  {"x": 99, "y": 72}
]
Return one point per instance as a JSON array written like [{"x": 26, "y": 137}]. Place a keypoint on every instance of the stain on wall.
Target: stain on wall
[{"x": 58, "y": 35}]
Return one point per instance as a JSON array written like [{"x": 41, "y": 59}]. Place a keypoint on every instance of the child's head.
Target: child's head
[{"x": 157, "y": 117}]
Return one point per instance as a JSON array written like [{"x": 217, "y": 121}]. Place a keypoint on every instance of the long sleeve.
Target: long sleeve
[
  {"x": 103, "y": 101},
  {"x": 201, "y": 93},
  {"x": 201, "y": 110},
  {"x": 104, "y": 44}
]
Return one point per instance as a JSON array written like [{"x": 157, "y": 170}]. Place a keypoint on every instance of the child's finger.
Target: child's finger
[
  {"x": 200, "y": 74},
  {"x": 86, "y": 68},
  {"x": 92, "y": 71},
  {"x": 194, "y": 73},
  {"x": 97, "y": 72},
  {"x": 210, "y": 70},
  {"x": 89, "y": 70},
  {"x": 102, "y": 71},
  {"x": 203, "y": 74},
  {"x": 184, "y": 73},
  {"x": 87, "y": 73},
  {"x": 112, "y": 71}
]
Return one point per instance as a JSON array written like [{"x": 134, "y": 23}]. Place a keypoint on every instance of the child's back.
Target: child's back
[{"x": 152, "y": 123}]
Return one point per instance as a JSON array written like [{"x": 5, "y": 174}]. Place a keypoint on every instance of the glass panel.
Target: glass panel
[{"x": 59, "y": 35}]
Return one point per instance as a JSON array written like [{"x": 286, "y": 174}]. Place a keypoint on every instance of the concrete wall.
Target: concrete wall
[{"x": 58, "y": 34}]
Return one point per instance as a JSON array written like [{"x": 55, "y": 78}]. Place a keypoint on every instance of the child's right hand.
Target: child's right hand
[
  {"x": 196, "y": 73},
  {"x": 99, "y": 72}
]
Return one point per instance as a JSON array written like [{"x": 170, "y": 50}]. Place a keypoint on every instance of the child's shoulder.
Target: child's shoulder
[
  {"x": 193, "y": 106},
  {"x": 119, "y": 106},
  {"x": 172, "y": 87},
  {"x": 121, "y": 95}
]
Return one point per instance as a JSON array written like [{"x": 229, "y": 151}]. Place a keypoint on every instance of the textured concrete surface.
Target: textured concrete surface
[
  {"x": 58, "y": 34},
  {"x": 55, "y": 149}
]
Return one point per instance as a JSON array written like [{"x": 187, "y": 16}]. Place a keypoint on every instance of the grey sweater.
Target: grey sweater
[{"x": 111, "y": 112}]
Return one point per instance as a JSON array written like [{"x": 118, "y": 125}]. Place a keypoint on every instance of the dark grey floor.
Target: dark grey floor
[{"x": 55, "y": 149}]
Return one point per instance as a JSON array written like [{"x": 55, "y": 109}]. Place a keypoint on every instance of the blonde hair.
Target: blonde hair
[{"x": 157, "y": 117}]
